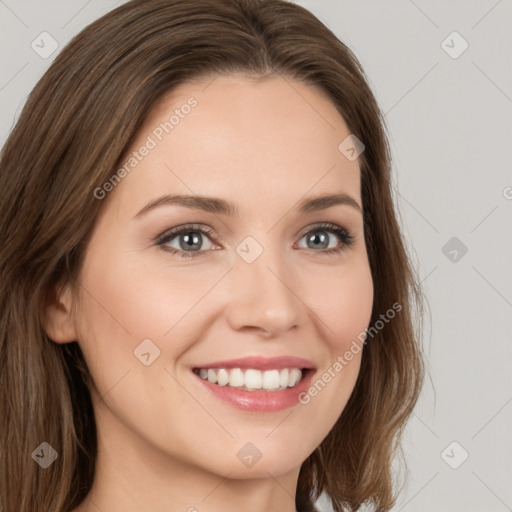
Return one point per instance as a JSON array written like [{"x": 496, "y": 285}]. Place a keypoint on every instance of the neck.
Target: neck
[{"x": 133, "y": 475}]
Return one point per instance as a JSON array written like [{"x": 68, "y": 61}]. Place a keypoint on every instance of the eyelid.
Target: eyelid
[
  {"x": 210, "y": 231},
  {"x": 176, "y": 230},
  {"x": 347, "y": 236}
]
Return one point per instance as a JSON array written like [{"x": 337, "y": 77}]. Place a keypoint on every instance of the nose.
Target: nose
[{"x": 262, "y": 296}]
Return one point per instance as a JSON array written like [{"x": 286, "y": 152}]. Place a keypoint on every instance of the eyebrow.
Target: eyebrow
[{"x": 222, "y": 207}]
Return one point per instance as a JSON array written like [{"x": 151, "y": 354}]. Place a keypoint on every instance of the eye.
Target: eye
[
  {"x": 321, "y": 237},
  {"x": 189, "y": 240}
]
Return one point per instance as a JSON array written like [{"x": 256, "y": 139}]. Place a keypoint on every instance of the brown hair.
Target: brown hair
[{"x": 76, "y": 125}]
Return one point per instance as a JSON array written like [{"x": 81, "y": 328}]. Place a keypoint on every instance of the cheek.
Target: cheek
[
  {"x": 345, "y": 311},
  {"x": 132, "y": 300},
  {"x": 344, "y": 302}
]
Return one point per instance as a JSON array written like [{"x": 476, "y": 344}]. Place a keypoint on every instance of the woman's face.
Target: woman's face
[{"x": 264, "y": 280}]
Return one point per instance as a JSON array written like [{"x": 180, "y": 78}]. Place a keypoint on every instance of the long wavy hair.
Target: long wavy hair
[{"x": 76, "y": 125}]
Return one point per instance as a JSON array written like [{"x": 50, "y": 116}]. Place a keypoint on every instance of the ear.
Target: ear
[{"x": 59, "y": 323}]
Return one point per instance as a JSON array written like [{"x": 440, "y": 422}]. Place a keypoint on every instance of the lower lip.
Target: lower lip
[{"x": 260, "y": 400}]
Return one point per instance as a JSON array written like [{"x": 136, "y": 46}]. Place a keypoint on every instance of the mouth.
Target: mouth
[
  {"x": 257, "y": 384},
  {"x": 254, "y": 379}
]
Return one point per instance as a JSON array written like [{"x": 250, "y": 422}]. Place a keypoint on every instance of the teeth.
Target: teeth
[
  {"x": 222, "y": 377},
  {"x": 251, "y": 379},
  {"x": 236, "y": 377},
  {"x": 271, "y": 379},
  {"x": 294, "y": 377},
  {"x": 212, "y": 376},
  {"x": 283, "y": 378}
]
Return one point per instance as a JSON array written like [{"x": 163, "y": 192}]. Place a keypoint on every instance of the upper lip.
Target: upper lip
[{"x": 261, "y": 363}]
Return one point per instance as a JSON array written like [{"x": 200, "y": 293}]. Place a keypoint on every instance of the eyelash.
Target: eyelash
[{"x": 346, "y": 238}]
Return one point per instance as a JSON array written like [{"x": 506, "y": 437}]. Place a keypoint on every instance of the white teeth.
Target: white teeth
[
  {"x": 236, "y": 377},
  {"x": 222, "y": 377},
  {"x": 252, "y": 379},
  {"x": 271, "y": 379},
  {"x": 294, "y": 377},
  {"x": 283, "y": 378}
]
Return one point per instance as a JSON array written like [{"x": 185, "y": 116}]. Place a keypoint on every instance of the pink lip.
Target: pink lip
[
  {"x": 260, "y": 400},
  {"x": 261, "y": 363}
]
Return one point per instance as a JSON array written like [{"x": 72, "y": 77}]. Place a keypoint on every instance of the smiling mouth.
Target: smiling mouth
[{"x": 251, "y": 379}]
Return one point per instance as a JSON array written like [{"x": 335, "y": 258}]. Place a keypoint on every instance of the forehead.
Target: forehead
[{"x": 237, "y": 136}]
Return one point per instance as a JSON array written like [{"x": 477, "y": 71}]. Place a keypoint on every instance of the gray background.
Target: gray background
[{"x": 450, "y": 126}]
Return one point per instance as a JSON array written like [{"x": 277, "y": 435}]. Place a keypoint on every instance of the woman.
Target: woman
[{"x": 206, "y": 298}]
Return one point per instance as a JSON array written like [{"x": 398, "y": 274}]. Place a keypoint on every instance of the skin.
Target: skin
[{"x": 165, "y": 443}]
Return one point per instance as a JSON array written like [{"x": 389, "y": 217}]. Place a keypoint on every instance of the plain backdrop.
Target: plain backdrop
[{"x": 442, "y": 74}]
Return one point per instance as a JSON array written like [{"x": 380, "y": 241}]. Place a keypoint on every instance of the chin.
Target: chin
[{"x": 250, "y": 462}]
